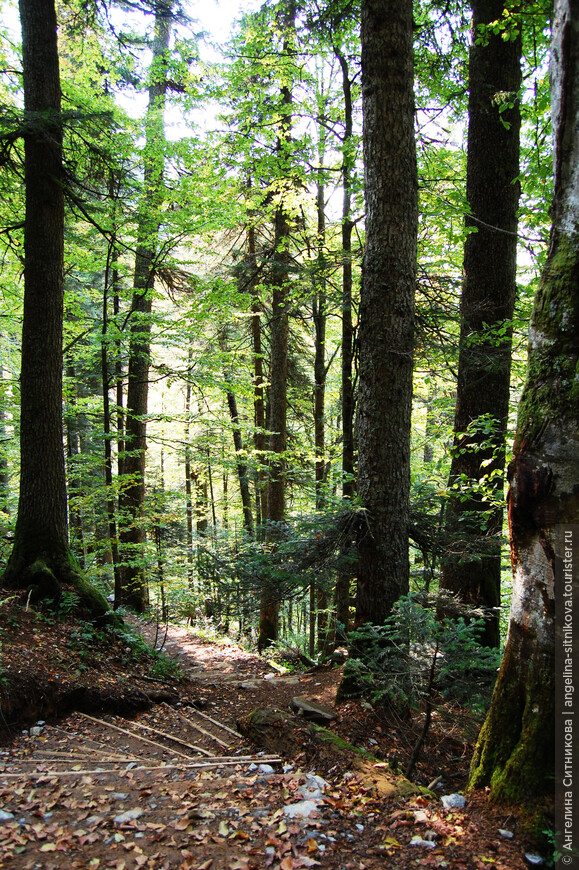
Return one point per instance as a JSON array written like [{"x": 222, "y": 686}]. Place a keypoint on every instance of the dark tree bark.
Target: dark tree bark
[
  {"x": 386, "y": 328},
  {"x": 108, "y": 379},
  {"x": 474, "y": 520},
  {"x": 258, "y": 381},
  {"x": 515, "y": 750},
  {"x": 4, "y": 469},
  {"x": 41, "y": 558},
  {"x": 188, "y": 475},
  {"x": 348, "y": 404},
  {"x": 270, "y": 601},
  {"x": 240, "y": 462},
  {"x": 132, "y": 498}
]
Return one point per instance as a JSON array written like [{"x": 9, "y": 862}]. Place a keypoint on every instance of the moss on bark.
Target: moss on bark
[{"x": 45, "y": 572}]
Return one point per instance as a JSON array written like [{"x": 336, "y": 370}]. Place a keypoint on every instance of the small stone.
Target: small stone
[
  {"x": 367, "y": 706},
  {"x": 266, "y": 768},
  {"x": 302, "y": 808},
  {"x": 313, "y": 788},
  {"x": 36, "y": 731},
  {"x": 424, "y": 844},
  {"x": 129, "y": 816},
  {"x": 534, "y": 860},
  {"x": 453, "y": 801},
  {"x": 41, "y": 722},
  {"x": 310, "y": 709},
  {"x": 269, "y": 676},
  {"x": 5, "y": 816},
  {"x": 120, "y": 795},
  {"x": 360, "y": 827},
  {"x": 420, "y": 817},
  {"x": 508, "y": 835}
]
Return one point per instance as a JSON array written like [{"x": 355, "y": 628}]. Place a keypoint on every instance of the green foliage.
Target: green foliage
[{"x": 392, "y": 664}]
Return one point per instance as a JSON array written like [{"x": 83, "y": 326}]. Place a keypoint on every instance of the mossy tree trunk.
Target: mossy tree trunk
[
  {"x": 41, "y": 559},
  {"x": 386, "y": 330},
  {"x": 515, "y": 750},
  {"x": 474, "y": 516}
]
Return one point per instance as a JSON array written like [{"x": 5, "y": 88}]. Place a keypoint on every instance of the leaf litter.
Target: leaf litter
[{"x": 83, "y": 794}]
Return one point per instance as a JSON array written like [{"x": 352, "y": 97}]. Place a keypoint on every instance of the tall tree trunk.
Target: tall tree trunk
[
  {"x": 515, "y": 750},
  {"x": 74, "y": 482},
  {"x": 348, "y": 481},
  {"x": 188, "y": 475},
  {"x": 41, "y": 558},
  {"x": 472, "y": 568},
  {"x": 132, "y": 498},
  {"x": 110, "y": 282},
  {"x": 238, "y": 445},
  {"x": 386, "y": 305},
  {"x": 270, "y": 602},
  {"x": 4, "y": 469},
  {"x": 318, "y": 597},
  {"x": 258, "y": 381}
]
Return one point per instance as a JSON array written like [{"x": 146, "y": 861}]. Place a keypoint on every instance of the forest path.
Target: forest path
[{"x": 104, "y": 791}]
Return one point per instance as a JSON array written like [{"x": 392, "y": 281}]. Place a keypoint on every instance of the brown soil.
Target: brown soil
[{"x": 200, "y": 799}]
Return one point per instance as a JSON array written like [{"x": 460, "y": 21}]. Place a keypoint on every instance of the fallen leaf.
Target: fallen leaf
[
  {"x": 48, "y": 847},
  {"x": 312, "y": 846}
]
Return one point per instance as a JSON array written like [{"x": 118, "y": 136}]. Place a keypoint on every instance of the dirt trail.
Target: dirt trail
[{"x": 83, "y": 794}]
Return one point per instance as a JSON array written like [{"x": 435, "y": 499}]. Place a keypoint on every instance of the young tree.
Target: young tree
[
  {"x": 41, "y": 558},
  {"x": 386, "y": 331},
  {"x": 515, "y": 750},
  {"x": 472, "y": 567}
]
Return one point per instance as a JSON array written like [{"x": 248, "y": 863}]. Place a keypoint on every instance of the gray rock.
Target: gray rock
[
  {"x": 36, "y": 731},
  {"x": 453, "y": 801},
  {"x": 120, "y": 795},
  {"x": 129, "y": 816},
  {"x": 266, "y": 768},
  {"x": 5, "y": 816},
  {"x": 313, "y": 710},
  {"x": 302, "y": 808},
  {"x": 424, "y": 844},
  {"x": 534, "y": 860},
  {"x": 313, "y": 788},
  {"x": 508, "y": 835}
]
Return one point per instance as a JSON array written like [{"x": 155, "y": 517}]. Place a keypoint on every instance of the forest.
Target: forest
[{"x": 289, "y": 339}]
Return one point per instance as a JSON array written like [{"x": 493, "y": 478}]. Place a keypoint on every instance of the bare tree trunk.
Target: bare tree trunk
[
  {"x": 132, "y": 499},
  {"x": 348, "y": 404},
  {"x": 188, "y": 476},
  {"x": 270, "y": 601},
  {"x": 386, "y": 305},
  {"x": 472, "y": 567}
]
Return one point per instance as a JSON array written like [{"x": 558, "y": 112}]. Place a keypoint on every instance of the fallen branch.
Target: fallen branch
[
  {"x": 218, "y": 761},
  {"x": 138, "y": 737},
  {"x": 197, "y": 727},
  {"x": 215, "y": 722}
]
